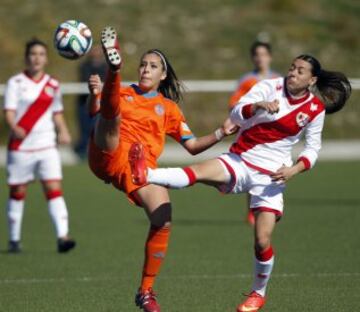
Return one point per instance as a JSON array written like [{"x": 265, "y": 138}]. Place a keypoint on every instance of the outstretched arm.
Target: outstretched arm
[{"x": 197, "y": 145}]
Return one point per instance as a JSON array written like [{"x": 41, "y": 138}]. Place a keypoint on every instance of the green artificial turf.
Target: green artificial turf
[{"x": 209, "y": 262}]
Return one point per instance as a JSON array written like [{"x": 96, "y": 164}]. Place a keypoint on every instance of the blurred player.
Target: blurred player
[
  {"x": 261, "y": 57},
  {"x": 272, "y": 117},
  {"x": 33, "y": 111},
  {"x": 145, "y": 113}
]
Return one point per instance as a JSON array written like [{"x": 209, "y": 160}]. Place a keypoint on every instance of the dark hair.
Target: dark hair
[
  {"x": 33, "y": 42},
  {"x": 333, "y": 87},
  {"x": 171, "y": 87},
  {"x": 258, "y": 44}
]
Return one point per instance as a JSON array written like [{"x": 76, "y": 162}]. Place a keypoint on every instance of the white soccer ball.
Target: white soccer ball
[{"x": 72, "y": 39}]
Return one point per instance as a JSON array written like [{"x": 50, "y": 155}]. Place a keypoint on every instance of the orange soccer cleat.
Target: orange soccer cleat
[
  {"x": 111, "y": 48},
  {"x": 137, "y": 163},
  {"x": 146, "y": 300},
  {"x": 253, "y": 303}
]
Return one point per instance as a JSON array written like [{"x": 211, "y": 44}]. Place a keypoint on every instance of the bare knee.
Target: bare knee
[
  {"x": 264, "y": 227},
  {"x": 262, "y": 241}
]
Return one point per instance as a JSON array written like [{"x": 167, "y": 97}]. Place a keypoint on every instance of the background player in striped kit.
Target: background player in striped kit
[
  {"x": 261, "y": 57},
  {"x": 33, "y": 111},
  {"x": 272, "y": 117}
]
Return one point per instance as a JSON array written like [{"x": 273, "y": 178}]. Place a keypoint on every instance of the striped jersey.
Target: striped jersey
[
  {"x": 265, "y": 140},
  {"x": 34, "y": 103}
]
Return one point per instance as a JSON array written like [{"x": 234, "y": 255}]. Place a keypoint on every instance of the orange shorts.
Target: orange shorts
[{"x": 113, "y": 167}]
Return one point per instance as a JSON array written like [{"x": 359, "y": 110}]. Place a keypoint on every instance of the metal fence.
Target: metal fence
[{"x": 191, "y": 86}]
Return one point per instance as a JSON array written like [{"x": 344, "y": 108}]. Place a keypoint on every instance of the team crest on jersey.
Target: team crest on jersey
[
  {"x": 279, "y": 87},
  {"x": 49, "y": 91},
  {"x": 130, "y": 98},
  {"x": 159, "y": 109},
  {"x": 302, "y": 119}
]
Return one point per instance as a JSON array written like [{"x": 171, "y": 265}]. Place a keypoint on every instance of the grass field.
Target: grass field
[{"x": 209, "y": 263}]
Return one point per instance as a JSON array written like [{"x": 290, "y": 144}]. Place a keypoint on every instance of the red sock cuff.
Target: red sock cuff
[
  {"x": 264, "y": 255},
  {"x": 17, "y": 195},
  {"x": 110, "y": 97},
  {"x": 191, "y": 175},
  {"x": 53, "y": 194}
]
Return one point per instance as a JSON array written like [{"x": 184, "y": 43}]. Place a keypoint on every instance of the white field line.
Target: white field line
[{"x": 88, "y": 279}]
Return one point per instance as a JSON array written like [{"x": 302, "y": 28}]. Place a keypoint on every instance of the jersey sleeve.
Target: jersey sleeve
[
  {"x": 312, "y": 147},
  {"x": 244, "y": 86},
  {"x": 57, "y": 106},
  {"x": 11, "y": 97},
  {"x": 176, "y": 126},
  {"x": 242, "y": 111}
]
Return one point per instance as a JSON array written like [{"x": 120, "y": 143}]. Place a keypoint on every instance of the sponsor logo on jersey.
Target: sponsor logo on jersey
[
  {"x": 302, "y": 119},
  {"x": 159, "y": 109}
]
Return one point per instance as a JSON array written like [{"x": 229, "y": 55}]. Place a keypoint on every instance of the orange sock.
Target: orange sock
[
  {"x": 110, "y": 98},
  {"x": 155, "y": 250}
]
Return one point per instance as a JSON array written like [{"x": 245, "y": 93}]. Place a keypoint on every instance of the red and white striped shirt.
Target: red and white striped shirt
[
  {"x": 265, "y": 140},
  {"x": 34, "y": 102}
]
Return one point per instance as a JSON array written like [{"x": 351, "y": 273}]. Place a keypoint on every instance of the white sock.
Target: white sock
[
  {"x": 262, "y": 275},
  {"x": 170, "y": 177},
  {"x": 15, "y": 211},
  {"x": 59, "y": 216}
]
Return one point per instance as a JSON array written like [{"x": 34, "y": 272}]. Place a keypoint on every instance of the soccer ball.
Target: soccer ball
[{"x": 72, "y": 39}]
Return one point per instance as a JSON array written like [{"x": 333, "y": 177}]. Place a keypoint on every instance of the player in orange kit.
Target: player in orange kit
[
  {"x": 261, "y": 57},
  {"x": 143, "y": 113}
]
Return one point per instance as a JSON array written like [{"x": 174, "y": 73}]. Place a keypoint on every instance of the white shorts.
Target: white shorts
[
  {"x": 266, "y": 195},
  {"x": 23, "y": 167}
]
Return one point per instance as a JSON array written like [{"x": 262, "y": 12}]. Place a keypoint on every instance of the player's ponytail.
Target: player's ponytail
[
  {"x": 333, "y": 87},
  {"x": 171, "y": 87}
]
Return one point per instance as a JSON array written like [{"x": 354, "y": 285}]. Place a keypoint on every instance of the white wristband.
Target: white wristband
[{"x": 219, "y": 134}]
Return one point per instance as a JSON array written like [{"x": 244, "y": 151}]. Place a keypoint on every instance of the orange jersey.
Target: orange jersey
[
  {"x": 145, "y": 118},
  {"x": 246, "y": 83},
  {"x": 149, "y": 118}
]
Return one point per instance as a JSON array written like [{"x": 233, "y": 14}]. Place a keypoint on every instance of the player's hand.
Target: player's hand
[
  {"x": 229, "y": 127},
  {"x": 18, "y": 133},
  {"x": 270, "y": 107},
  {"x": 64, "y": 137},
  {"x": 284, "y": 174},
  {"x": 94, "y": 84}
]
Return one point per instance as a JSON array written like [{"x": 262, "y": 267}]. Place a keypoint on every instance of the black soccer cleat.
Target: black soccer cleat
[
  {"x": 65, "y": 245},
  {"x": 14, "y": 247}
]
